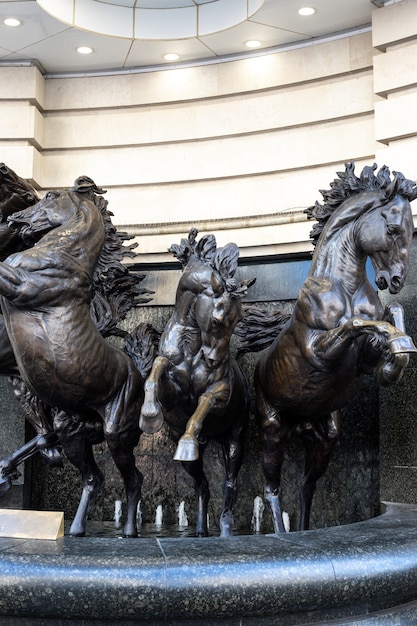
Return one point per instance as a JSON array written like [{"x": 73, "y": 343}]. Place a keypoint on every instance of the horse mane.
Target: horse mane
[
  {"x": 115, "y": 289},
  {"x": 348, "y": 185},
  {"x": 222, "y": 260}
]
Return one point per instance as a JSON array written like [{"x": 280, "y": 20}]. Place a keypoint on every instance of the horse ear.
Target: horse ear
[
  {"x": 393, "y": 216},
  {"x": 216, "y": 284},
  {"x": 249, "y": 282}
]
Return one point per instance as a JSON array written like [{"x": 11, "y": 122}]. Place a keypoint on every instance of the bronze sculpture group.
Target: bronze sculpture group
[{"x": 89, "y": 391}]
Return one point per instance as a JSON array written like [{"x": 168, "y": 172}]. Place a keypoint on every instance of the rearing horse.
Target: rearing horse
[
  {"x": 62, "y": 357},
  {"x": 338, "y": 330},
  {"x": 195, "y": 384}
]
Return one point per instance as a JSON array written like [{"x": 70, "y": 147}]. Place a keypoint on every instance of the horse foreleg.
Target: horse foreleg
[
  {"x": 195, "y": 470},
  {"x": 80, "y": 453},
  {"x": 39, "y": 415},
  {"x": 121, "y": 447},
  {"x": 8, "y": 465},
  {"x": 151, "y": 414},
  {"x": 319, "y": 447},
  {"x": 233, "y": 455},
  {"x": 394, "y": 360},
  {"x": 188, "y": 446},
  {"x": 332, "y": 344}
]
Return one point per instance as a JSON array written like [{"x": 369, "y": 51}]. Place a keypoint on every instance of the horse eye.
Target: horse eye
[{"x": 51, "y": 195}]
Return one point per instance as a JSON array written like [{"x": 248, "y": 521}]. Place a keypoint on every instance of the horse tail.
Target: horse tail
[
  {"x": 258, "y": 329},
  {"x": 141, "y": 345}
]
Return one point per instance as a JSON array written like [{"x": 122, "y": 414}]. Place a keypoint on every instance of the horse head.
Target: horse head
[
  {"x": 385, "y": 235},
  {"x": 217, "y": 312},
  {"x": 16, "y": 193},
  {"x": 56, "y": 209},
  {"x": 53, "y": 210}
]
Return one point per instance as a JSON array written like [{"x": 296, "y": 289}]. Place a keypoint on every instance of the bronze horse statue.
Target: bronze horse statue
[
  {"x": 115, "y": 291},
  {"x": 96, "y": 389},
  {"x": 195, "y": 384},
  {"x": 338, "y": 330}
]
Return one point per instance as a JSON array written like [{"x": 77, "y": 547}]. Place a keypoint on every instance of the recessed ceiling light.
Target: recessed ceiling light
[
  {"x": 253, "y": 43},
  {"x": 12, "y": 21},
  {"x": 306, "y": 11},
  {"x": 84, "y": 50},
  {"x": 171, "y": 56}
]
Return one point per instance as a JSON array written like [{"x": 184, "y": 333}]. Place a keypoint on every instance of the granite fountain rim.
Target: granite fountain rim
[{"x": 366, "y": 566}]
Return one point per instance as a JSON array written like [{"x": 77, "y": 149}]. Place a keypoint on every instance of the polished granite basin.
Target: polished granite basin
[{"x": 362, "y": 573}]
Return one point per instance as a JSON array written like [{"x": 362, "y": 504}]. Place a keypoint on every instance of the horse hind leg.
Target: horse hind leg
[
  {"x": 233, "y": 456},
  {"x": 319, "y": 448},
  {"x": 195, "y": 470},
  {"x": 121, "y": 447},
  {"x": 80, "y": 453},
  {"x": 272, "y": 440}
]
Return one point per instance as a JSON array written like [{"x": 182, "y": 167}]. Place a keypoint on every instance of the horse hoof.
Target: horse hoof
[
  {"x": 401, "y": 344},
  {"x": 76, "y": 533},
  {"x": 150, "y": 424},
  {"x": 52, "y": 456},
  {"x": 226, "y": 526},
  {"x": 187, "y": 449}
]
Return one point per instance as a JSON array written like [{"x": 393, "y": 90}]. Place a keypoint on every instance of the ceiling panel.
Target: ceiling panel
[{"x": 52, "y": 44}]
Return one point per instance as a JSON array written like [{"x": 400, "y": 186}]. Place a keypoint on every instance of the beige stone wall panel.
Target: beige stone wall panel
[
  {"x": 394, "y": 23},
  {"x": 22, "y": 83},
  {"x": 279, "y": 108},
  {"x": 251, "y": 154},
  {"x": 223, "y": 198},
  {"x": 18, "y": 121},
  {"x": 23, "y": 158},
  {"x": 396, "y": 69},
  {"x": 279, "y": 69},
  {"x": 401, "y": 156},
  {"x": 393, "y": 119}
]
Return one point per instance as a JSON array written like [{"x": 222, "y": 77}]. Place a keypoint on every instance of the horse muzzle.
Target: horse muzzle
[{"x": 393, "y": 282}]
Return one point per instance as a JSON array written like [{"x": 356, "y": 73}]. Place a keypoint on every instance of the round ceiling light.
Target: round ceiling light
[
  {"x": 306, "y": 11},
  {"x": 152, "y": 19},
  {"x": 12, "y": 21},
  {"x": 171, "y": 56},
  {"x": 253, "y": 43},
  {"x": 84, "y": 50}
]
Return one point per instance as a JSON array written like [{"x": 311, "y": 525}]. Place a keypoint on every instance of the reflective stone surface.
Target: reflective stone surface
[{"x": 350, "y": 573}]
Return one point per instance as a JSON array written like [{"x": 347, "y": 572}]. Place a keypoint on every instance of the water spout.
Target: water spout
[
  {"x": 258, "y": 510},
  {"x": 139, "y": 513},
  {"x": 182, "y": 515},
  {"x": 286, "y": 521},
  {"x": 158, "y": 515},
  {"x": 117, "y": 513}
]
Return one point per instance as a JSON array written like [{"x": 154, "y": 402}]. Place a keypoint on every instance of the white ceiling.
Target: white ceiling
[{"x": 52, "y": 43}]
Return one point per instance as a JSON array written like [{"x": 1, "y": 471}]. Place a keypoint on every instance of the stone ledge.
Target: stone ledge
[{"x": 357, "y": 570}]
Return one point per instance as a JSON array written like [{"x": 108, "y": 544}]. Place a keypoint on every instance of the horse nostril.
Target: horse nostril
[{"x": 396, "y": 281}]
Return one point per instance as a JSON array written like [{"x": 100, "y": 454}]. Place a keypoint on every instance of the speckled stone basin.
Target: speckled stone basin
[{"x": 297, "y": 578}]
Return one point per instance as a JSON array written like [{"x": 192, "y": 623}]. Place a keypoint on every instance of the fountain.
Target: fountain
[{"x": 354, "y": 564}]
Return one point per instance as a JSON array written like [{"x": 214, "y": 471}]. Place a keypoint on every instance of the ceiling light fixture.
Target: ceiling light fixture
[
  {"x": 12, "y": 21},
  {"x": 84, "y": 50},
  {"x": 306, "y": 11},
  {"x": 171, "y": 56},
  {"x": 253, "y": 43}
]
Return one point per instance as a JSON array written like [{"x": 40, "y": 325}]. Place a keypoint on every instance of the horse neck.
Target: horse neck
[
  {"x": 338, "y": 256},
  {"x": 193, "y": 282}
]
